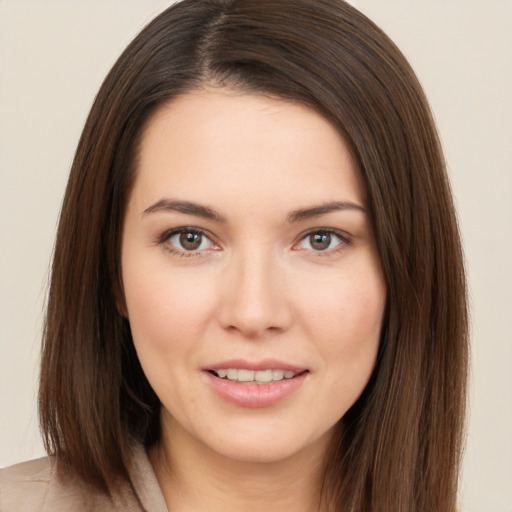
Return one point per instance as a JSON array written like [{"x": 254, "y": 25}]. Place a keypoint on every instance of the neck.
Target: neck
[{"x": 194, "y": 478}]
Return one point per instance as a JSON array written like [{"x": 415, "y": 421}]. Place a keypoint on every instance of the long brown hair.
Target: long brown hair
[{"x": 398, "y": 448}]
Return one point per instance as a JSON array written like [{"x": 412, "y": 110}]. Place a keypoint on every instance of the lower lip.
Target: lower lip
[{"x": 255, "y": 395}]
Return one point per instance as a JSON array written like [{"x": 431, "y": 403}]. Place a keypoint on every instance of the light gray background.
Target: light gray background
[{"x": 53, "y": 57}]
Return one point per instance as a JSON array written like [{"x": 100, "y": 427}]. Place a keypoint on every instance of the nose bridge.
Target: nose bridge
[{"x": 255, "y": 298}]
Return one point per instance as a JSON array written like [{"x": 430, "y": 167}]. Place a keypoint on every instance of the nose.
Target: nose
[{"x": 255, "y": 301}]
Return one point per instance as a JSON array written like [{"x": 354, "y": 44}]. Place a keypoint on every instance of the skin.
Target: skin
[{"x": 258, "y": 286}]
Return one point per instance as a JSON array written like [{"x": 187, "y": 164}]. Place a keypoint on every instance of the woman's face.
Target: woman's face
[{"x": 252, "y": 283}]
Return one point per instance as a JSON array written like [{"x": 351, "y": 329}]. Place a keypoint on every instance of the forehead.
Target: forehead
[{"x": 221, "y": 143}]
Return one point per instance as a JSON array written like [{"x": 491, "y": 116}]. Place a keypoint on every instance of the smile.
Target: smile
[
  {"x": 255, "y": 384},
  {"x": 252, "y": 376}
]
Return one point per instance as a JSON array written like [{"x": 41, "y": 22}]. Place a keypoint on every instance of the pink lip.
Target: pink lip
[
  {"x": 264, "y": 364},
  {"x": 255, "y": 395}
]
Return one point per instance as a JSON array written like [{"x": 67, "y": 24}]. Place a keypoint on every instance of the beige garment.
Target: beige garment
[{"x": 33, "y": 486}]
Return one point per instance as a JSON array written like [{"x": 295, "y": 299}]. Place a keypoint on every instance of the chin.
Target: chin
[{"x": 270, "y": 446}]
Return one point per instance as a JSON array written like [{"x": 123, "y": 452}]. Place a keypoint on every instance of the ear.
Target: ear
[{"x": 119, "y": 299}]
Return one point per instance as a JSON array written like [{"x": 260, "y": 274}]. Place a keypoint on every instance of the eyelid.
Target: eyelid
[
  {"x": 345, "y": 239},
  {"x": 168, "y": 234}
]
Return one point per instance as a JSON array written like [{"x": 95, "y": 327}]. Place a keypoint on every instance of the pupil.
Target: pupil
[
  {"x": 321, "y": 241},
  {"x": 190, "y": 241}
]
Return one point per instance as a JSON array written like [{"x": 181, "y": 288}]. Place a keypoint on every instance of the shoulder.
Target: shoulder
[
  {"x": 37, "y": 486},
  {"x": 24, "y": 486}
]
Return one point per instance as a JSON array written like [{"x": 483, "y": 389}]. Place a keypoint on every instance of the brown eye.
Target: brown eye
[
  {"x": 190, "y": 241},
  {"x": 320, "y": 241}
]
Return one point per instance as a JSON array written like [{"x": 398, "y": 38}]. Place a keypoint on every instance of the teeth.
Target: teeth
[
  {"x": 277, "y": 374},
  {"x": 245, "y": 375},
  {"x": 263, "y": 376},
  {"x": 259, "y": 377}
]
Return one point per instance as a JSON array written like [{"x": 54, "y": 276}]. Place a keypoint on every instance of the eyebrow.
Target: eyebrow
[
  {"x": 190, "y": 208},
  {"x": 186, "y": 207},
  {"x": 323, "y": 209}
]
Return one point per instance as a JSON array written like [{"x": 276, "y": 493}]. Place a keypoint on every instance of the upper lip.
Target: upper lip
[{"x": 262, "y": 364}]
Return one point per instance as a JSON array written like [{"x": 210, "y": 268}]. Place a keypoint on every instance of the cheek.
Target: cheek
[
  {"x": 165, "y": 308},
  {"x": 349, "y": 305},
  {"x": 345, "y": 318},
  {"x": 167, "y": 315}
]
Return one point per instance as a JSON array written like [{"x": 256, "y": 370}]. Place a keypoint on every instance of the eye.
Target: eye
[
  {"x": 188, "y": 240},
  {"x": 321, "y": 241}
]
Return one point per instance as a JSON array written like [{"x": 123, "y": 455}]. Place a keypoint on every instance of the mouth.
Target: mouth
[
  {"x": 255, "y": 383},
  {"x": 258, "y": 377}
]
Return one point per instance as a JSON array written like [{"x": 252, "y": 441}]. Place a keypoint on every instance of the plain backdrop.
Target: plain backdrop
[{"x": 53, "y": 57}]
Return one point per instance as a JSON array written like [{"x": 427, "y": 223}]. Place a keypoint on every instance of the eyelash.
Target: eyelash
[
  {"x": 164, "y": 239},
  {"x": 344, "y": 240}
]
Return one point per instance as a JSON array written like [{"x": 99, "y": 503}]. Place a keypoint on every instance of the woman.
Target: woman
[{"x": 257, "y": 293}]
